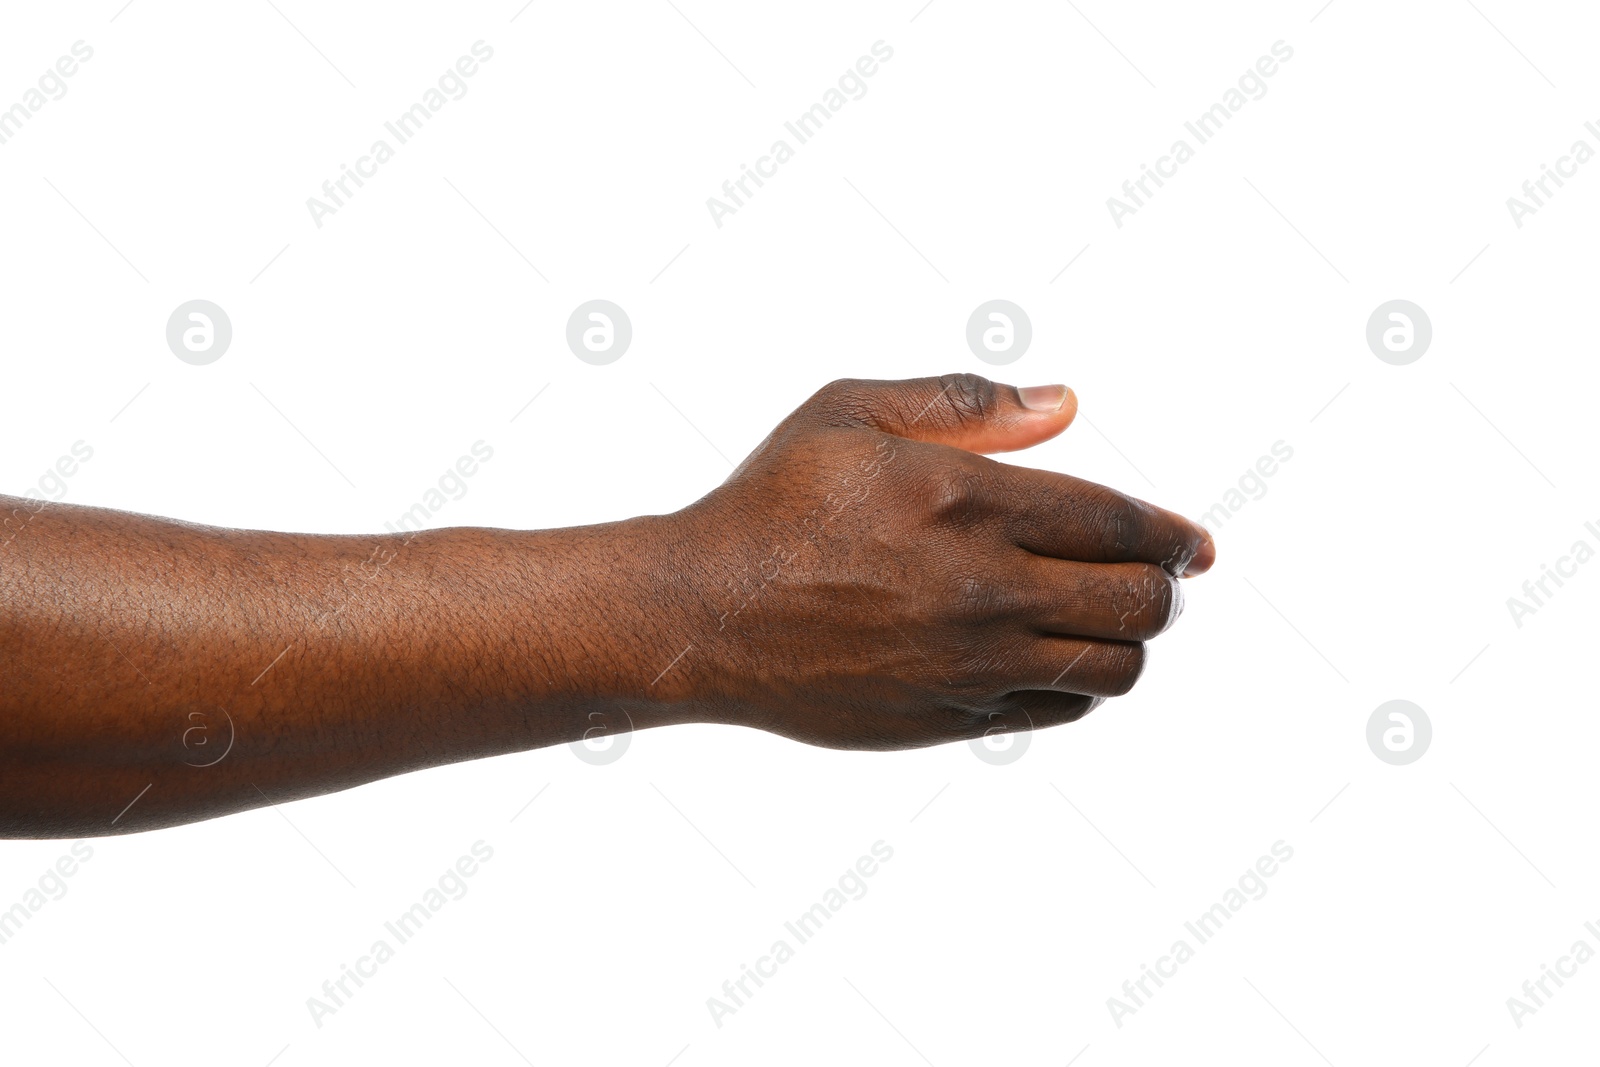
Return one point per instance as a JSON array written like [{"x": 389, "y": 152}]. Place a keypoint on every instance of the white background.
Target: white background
[{"x": 1226, "y": 315}]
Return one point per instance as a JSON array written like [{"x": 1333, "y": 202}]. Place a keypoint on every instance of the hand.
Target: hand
[{"x": 869, "y": 581}]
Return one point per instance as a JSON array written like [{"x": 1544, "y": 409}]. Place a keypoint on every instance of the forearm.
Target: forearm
[{"x": 137, "y": 651}]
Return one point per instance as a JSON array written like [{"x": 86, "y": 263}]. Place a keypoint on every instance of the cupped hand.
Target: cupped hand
[{"x": 869, "y": 580}]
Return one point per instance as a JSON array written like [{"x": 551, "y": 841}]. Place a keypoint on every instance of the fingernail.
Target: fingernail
[{"x": 1042, "y": 397}]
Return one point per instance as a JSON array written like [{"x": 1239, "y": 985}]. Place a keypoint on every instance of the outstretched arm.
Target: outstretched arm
[{"x": 864, "y": 580}]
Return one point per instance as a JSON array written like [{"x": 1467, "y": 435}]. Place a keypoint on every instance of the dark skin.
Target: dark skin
[{"x": 865, "y": 579}]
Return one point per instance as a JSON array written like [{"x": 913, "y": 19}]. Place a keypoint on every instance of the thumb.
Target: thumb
[{"x": 965, "y": 411}]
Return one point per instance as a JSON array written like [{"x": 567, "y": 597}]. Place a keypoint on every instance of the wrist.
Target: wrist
[{"x": 617, "y": 616}]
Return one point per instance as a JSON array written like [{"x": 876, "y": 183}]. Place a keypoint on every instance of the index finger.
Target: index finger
[{"x": 1069, "y": 518}]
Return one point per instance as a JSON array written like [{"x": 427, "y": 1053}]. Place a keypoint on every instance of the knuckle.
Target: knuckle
[
  {"x": 1121, "y": 522},
  {"x": 971, "y": 397},
  {"x": 953, "y": 492},
  {"x": 842, "y": 402},
  {"x": 1151, "y": 602},
  {"x": 838, "y": 399},
  {"x": 1187, "y": 546},
  {"x": 1125, "y": 665}
]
